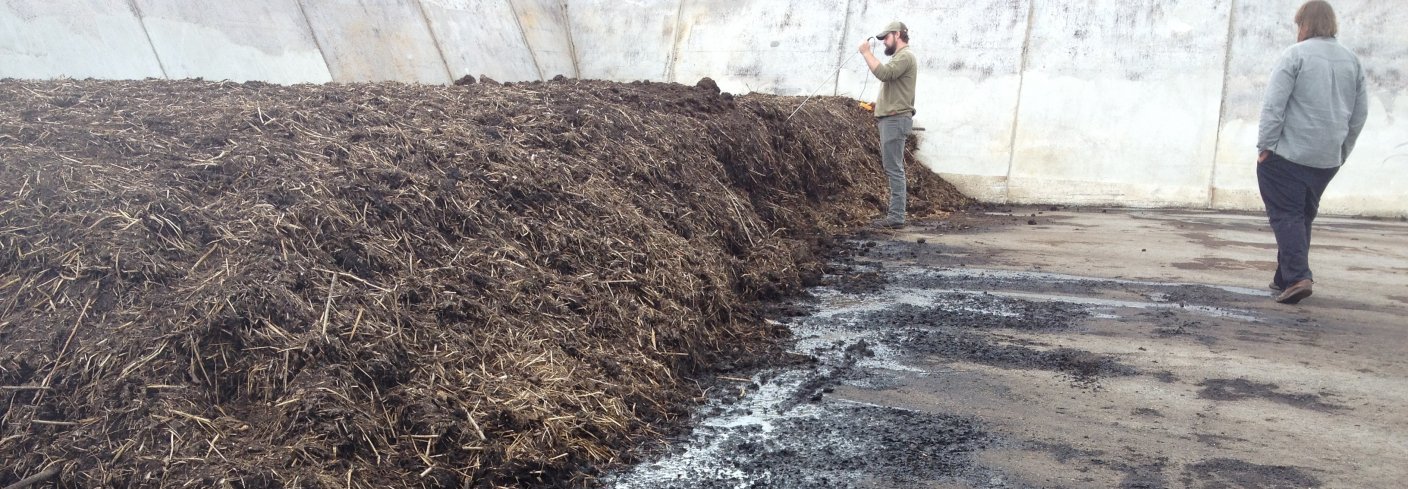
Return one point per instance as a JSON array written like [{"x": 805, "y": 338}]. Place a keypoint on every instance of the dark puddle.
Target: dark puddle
[
  {"x": 986, "y": 312},
  {"x": 1136, "y": 475},
  {"x": 1084, "y": 368},
  {"x": 1148, "y": 476},
  {"x": 1147, "y": 412},
  {"x": 1224, "y": 473},
  {"x": 960, "y": 328},
  {"x": 1241, "y": 389}
]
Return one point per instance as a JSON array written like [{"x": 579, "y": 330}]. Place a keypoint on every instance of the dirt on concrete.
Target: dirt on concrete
[
  {"x": 1221, "y": 473},
  {"x": 1241, "y": 389},
  {"x": 1078, "y": 356}
]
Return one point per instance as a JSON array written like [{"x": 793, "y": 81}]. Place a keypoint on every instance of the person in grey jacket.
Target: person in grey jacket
[{"x": 1315, "y": 107}]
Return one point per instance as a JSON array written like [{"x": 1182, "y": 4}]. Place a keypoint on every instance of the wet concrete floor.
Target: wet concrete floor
[{"x": 1051, "y": 347}]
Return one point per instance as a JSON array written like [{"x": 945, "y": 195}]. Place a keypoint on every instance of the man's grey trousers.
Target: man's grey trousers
[
  {"x": 1291, "y": 193},
  {"x": 893, "y": 131}
]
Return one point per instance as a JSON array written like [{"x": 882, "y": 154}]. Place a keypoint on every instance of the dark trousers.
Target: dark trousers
[{"x": 1291, "y": 193}]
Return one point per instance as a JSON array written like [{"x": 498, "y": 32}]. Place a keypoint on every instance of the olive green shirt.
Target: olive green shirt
[{"x": 897, "y": 91}]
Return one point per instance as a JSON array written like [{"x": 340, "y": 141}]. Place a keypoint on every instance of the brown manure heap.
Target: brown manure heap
[{"x": 248, "y": 285}]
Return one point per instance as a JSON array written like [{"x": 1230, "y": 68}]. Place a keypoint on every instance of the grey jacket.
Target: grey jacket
[{"x": 1315, "y": 105}]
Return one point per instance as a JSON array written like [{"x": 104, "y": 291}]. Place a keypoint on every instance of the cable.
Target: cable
[{"x": 837, "y": 72}]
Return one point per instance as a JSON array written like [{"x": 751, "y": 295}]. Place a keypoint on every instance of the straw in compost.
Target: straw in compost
[{"x": 249, "y": 285}]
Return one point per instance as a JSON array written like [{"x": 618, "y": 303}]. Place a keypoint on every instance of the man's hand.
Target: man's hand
[
  {"x": 1265, "y": 153},
  {"x": 869, "y": 57}
]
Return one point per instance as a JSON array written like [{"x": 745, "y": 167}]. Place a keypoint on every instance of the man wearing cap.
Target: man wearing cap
[{"x": 894, "y": 111}]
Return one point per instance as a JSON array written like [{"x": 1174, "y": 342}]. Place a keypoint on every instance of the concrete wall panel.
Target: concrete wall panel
[
  {"x": 545, "y": 25},
  {"x": 970, "y": 55},
  {"x": 376, "y": 40},
  {"x": 624, "y": 40},
  {"x": 783, "y": 47},
  {"x": 266, "y": 40},
  {"x": 1120, "y": 102},
  {"x": 1375, "y": 179},
  {"x": 74, "y": 38},
  {"x": 474, "y": 47}
]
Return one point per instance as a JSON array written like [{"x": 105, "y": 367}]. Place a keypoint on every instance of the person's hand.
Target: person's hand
[
  {"x": 1265, "y": 153},
  {"x": 865, "y": 46}
]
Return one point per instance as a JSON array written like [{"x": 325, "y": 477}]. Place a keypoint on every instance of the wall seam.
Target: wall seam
[
  {"x": 571, "y": 43},
  {"x": 308, "y": 21},
  {"x": 518, "y": 21},
  {"x": 841, "y": 51},
  {"x": 1017, "y": 109},
  {"x": 675, "y": 49},
  {"x": 434, "y": 39},
  {"x": 143, "y": 22},
  {"x": 1222, "y": 104}
]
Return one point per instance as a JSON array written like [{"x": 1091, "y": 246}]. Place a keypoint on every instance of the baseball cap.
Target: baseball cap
[{"x": 895, "y": 26}]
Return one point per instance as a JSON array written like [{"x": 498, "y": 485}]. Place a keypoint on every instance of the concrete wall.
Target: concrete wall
[
  {"x": 74, "y": 38},
  {"x": 1126, "y": 102},
  {"x": 223, "y": 40},
  {"x": 1375, "y": 179},
  {"x": 1132, "y": 125}
]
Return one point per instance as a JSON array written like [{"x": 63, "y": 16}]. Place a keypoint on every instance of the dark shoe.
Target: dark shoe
[
  {"x": 1295, "y": 292},
  {"x": 887, "y": 224},
  {"x": 1275, "y": 287}
]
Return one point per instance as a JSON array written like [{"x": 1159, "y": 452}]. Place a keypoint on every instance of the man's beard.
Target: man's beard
[{"x": 889, "y": 50}]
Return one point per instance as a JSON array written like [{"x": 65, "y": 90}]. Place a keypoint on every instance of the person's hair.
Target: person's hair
[
  {"x": 904, "y": 35},
  {"x": 1317, "y": 19}
]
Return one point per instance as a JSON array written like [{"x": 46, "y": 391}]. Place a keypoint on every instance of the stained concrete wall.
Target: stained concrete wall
[
  {"x": 378, "y": 40},
  {"x": 1375, "y": 179},
  {"x": 624, "y": 40},
  {"x": 548, "y": 35},
  {"x": 223, "y": 40},
  {"x": 780, "y": 47},
  {"x": 1129, "y": 102},
  {"x": 76, "y": 39},
  {"x": 1120, "y": 102}
]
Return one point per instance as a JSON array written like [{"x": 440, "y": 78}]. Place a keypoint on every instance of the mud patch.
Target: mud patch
[
  {"x": 1211, "y": 242},
  {"x": 985, "y": 312},
  {"x": 1224, "y": 473},
  {"x": 1065, "y": 452},
  {"x": 1242, "y": 389},
  {"x": 1166, "y": 377},
  {"x": 1136, "y": 475},
  {"x": 858, "y": 446},
  {"x": 1149, "y": 476},
  {"x": 859, "y": 282},
  {"x": 1170, "y": 324},
  {"x": 1084, "y": 368},
  {"x": 766, "y": 438},
  {"x": 1217, "y": 441},
  {"x": 959, "y": 326},
  {"x": 1154, "y": 413},
  {"x": 1224, "y": 264}
]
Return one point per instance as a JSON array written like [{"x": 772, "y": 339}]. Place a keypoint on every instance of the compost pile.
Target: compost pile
[{"x": 386, "y": 285}]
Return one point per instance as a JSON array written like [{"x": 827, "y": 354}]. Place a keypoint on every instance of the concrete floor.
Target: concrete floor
[
  {"x": 1318, "y": 388},
  {"x": 1186, "y": 373}
]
